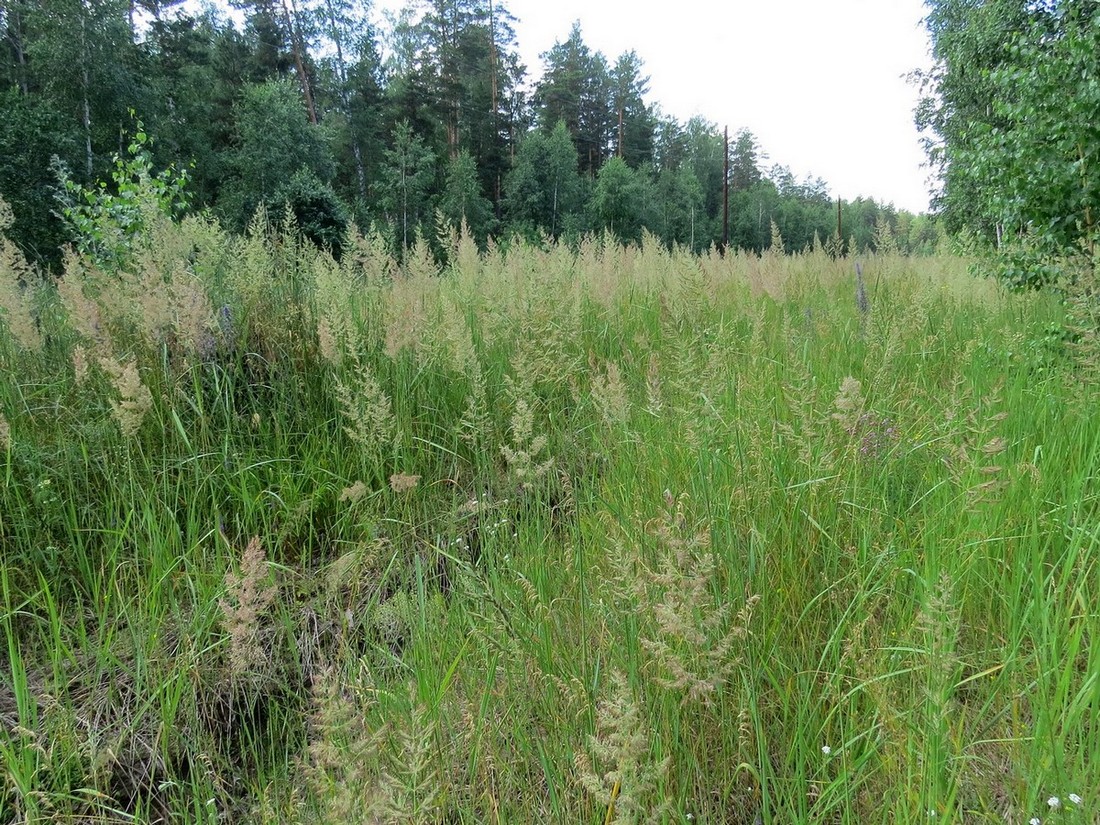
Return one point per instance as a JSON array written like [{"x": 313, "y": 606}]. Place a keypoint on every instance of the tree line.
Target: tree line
[{"x": 428, "y": 117}]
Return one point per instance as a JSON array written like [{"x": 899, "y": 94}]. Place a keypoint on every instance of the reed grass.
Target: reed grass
[{"x": 553, "y": 534}]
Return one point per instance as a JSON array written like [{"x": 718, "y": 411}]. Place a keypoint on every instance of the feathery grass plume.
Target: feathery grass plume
[
  {"x": 354, "y": 493},
  {"x": 134, "y": 400},
  {"x": 454, "y": 340},
  {"x": 243, "y": 611},
  {"x": 885, "y": 242},
  {"x": 692, "y": 634},
  {"x": 80, "y": 364},
  {"x": 402, "y": 482},
  {"x": 464, "y": 257},
  {"x": 337, "y": 292},
  {"x": 192, "y": 322},
  {"x": 801, "y": 394},
  {"x": 409, "y": 789},
  {"x": 937, "y": 629},
  {"x": 523, "y": 455},
  {"x": 82, "y": 311},
  {"x": 849, "y": 404},
  {"x": 367, "y": 408},
  {"x": 609, "y": 393},
  {"x": 404, "y": 313},
  {"x": 344, "y": 753},
  {"x": 974, "y": 461},
  {"x": 5, "y": 433},
  {"x": 476, "y": 425},
  {"x": 142, "y": 295},
  {"x": 776, "y": 245},
  {"x": 368, "y": 257},
  {"x": 326, "y": 341},
  {"x": 617, "y": 768},
  {"x": 16, "y": 277}
]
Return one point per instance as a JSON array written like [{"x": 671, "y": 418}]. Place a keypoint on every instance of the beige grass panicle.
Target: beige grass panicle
[
  {"x": 848, "y": 404},
  {"x": 5, "y": 433},
  {"x": 344, "y": 752},
  {"x": 78, "y": 289},
  {"x": 16, "y": 277},
  {"x": 134, "y": 401},
  {"x": 526, "y": 464},
  {"x": 617, "y": 767},
  {"x": 246, "y": 602},
  {"x": 80, "y": 364},
  {"x": 403, "y": 482},
  {"x": 367, "y": 408},
  {"x": 691, "y": 636},
  {"x": 609, "y": 393},
  {"x": 410, "y": 785}
]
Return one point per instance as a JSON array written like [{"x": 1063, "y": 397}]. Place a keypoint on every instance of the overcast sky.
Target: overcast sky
[{"x": 820, "y": 82}]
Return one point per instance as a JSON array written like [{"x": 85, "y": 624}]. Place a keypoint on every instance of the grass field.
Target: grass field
[{"x": 556, "y": 535}]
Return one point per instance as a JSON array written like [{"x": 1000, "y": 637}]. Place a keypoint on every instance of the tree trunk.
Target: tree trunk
[
  {"x": 297, "y": 48},
  {"x": 84, "y": 89},
  {"x": 15, "y": 38}
]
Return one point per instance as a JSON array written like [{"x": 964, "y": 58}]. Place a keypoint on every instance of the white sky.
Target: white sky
[{"x": 819, "y": 82}]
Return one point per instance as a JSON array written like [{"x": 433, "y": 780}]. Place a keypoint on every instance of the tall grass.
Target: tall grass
[{"x": 554, "y": 534}]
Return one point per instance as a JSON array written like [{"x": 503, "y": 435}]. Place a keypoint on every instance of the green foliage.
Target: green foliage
[
  {"x": 543, "y": 188},
  {"x": 33, "y": 133},
  {"x": 621, "y": 200},
  {"x": 274, "y": 142},
  {"x": 576, "y": 90},
  {"x": 319, "y": 213},
  {"x": 461, "y": 201},
  {"x": 1017, "y": 91},
  {"x": 298, "y": 106},
  {"x": 408, "y": 171},
  {"x": 105, "y": 220}
]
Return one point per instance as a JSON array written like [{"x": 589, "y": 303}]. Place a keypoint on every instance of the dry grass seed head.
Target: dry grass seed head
[
  {"x": 403, "y": 482},
  {"x": 617, "y": 768},
  {"x": 367, "y": 408},
  {"x": 848, "y": 404},
  {"x": 83, "y": 312},
  {"x": 243, "y": 611},
  {"x": 354, "y": 493},
  {"x": 344, "y": 753},
  {"x": 134, "y": 399},
  {"x": 609, "y": 393},
  {"x": 80, "y": 364},
  {"x": 16, "y": 278},
  {"x": 523, "y": 454}
]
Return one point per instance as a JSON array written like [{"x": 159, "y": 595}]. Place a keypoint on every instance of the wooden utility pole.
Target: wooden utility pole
[
  {"x": 726, "y": 194},
  {"x": 839, "y": 228}
]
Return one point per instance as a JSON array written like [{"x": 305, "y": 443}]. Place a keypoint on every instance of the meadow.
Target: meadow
[{"x": 578, "y": 534}]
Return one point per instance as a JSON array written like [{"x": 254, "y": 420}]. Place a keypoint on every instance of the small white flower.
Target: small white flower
[
  {"x": 1075, "y": 799},
  {"x": 825, "y": 749},
  {"x": 689, "y": 817},
  {"x": 1054, "y": 802},
  {"x": 1035, "y": 821}
]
